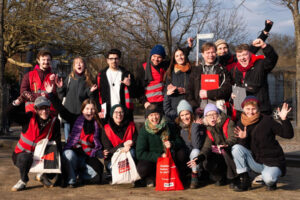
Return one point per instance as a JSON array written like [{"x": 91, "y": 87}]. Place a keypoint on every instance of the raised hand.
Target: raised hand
[
  {"x": 48, "y": 87},
  {"x": 58, "y": 81},
  {"x": 147, "y": 104},
  {"x": 284, "y": 111},
  {"x": 259, "y": 43},
  {"x": 93, "y": 88},
  {"x": 239, "y": 133},
  {"x": 203, "y": 94},
  {"x": 190, "y": 41},
  {"x": 126, "y": 80}
]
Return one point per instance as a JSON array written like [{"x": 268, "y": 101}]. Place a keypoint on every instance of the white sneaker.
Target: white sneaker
[
  {"x": 38, "y": 177},
  {"x": 19, "y": 186},
  {"x": 258, "y": 180}
]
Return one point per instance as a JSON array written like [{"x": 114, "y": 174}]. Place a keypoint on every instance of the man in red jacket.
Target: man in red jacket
[{"x": 33, "y": 81}]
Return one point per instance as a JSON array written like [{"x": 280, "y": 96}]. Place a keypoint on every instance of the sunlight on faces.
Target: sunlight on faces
[
  {"x": 222, "y": 50},
  {"x": 118, "y": 115},
  {"x": 156, "y": 59},
  {"x": 89, "y": 112},
  {"x": 113, "y": 61},
  {"x": 154, "y": 118},
  {"x": 212, "y": 117},
  {"x": 43, "y": 112},
  {"x": 243, "y": 57},
  {"x": 44, "y": 62},
  {"x": 79, "y": 66},
  {"x": 209, "y": 56},
  {"x": 250, "y": 110},
  {"x": 179, "y": 57},
  {"x": 185, "y": 117}
]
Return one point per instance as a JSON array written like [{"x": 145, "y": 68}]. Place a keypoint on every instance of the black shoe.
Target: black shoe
[
  {"x": 45, "y": 181},
  {"x": 244, "y": 184},
  {"x": 221, "y": 182},
  {"x": 272, "y": 187}
]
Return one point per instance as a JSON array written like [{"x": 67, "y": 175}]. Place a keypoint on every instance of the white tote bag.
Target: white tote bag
[
  {"x": 123, "y": 168},
  {"x": 46, "y": 158}
]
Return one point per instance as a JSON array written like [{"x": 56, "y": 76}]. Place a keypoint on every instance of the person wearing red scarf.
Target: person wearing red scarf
[{"x": 251, "y": 71}]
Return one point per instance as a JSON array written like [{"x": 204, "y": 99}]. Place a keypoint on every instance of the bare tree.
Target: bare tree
[{"x": 2, "y": 67}]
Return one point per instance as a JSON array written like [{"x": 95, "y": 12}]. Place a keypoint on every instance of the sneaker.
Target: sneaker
[
  {"x": 258, "y": 180},
  {"x": 150, "y": 182},
  {"x": 19, "y": 186},
  {"x": 45, "y": 181},
  {"x": 38, "y": 177}
]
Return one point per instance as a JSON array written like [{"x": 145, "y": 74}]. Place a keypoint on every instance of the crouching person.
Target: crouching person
[
  {"x": 193, "y": 134},
  {"x": 83, "y": 148},
  {"x": 35, "y": 127},
  {"x": 215, "y": 155},
  {"x": 154, "y": 137},
  {"x": 120, "y": 132},
  {"x": 257, "y": 147}
]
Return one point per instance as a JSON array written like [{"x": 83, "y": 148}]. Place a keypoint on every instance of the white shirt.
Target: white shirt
[{"x": 114, "y": 81}]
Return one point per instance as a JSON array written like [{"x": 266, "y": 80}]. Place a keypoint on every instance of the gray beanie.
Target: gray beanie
[
  {"x": 184, "y": 105},
  {"x": 41, "y": 101}
]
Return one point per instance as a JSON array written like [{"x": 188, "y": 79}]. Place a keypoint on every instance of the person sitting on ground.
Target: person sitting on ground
[
  {"x": 117, "y": 133},
  {"x": 154, "y": 137},
  {"x": 83, "y": 148},
  {"x": 193, "y": 133},
  {"x": 176, "y": 80},
  {"x": 35, "y": 127},
  {"x": 257, "y": 148},
  {"x": 215, "y": 154}
]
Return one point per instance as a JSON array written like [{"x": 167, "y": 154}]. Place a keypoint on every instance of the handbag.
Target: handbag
[
  {"x": 167, "y": 176},
  {"x": 46, "y": 158},
  {"x": 123, "y": 168}
]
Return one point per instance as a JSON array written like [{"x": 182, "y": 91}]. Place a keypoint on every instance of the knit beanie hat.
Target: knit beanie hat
[
  {"x": 184, "y": 105},
  {"x": 152, "y": 108},
  {"x": 41, "y": 101},
  {"x": 220, "y": 41},
  {"x": 210, "y": 107},
  {"x": 112, "y": 110},
  {"x": 248, "y": 99},
  {"x": 158, "y": 49}
]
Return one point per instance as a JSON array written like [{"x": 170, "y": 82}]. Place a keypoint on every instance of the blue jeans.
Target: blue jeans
[
  {"x": 132, "y": 152},
  {"x": 66, "y": 130},
  {"x": 243, "y": 160},
  {"x": 195, "y": 153},
  {"x": 77, "y": 166}
]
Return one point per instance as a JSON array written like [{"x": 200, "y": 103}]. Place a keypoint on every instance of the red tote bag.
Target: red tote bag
[{"x": 167, "y": 176}]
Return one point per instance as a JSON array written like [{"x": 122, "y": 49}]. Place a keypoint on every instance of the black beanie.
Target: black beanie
[
  {"x": 152, "y": 108},
  {"x": 112, "y": 110}
]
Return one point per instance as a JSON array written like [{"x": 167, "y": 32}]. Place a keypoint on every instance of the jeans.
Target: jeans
[
  {"x": 66, "y": 130},
  {"x": 243, "y": 160},
  {"x": 195, "y": 153},
  {"x": 76, "y": 166}
]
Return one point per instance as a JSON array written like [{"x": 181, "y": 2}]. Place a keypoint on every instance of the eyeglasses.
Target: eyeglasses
[
  {"x": 215, "y": 115},
  {"x": 119, "y": 112},
  {"x": 113, "y": 59}
]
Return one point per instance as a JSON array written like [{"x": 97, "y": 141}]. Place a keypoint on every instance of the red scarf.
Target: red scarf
[{"x": 253, "y": 59}]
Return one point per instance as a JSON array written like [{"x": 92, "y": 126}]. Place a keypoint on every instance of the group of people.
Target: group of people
[{"x": 188, "y": 109}]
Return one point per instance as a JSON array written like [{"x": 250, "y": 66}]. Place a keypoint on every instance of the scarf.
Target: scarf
[
  {"x": 253, "y": 59},
  {"x": 154, "y": 129},
  {"x": 182, "y": 68},
  {"x": 246, "y": 121}
]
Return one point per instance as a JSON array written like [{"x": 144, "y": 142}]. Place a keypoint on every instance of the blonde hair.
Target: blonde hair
[
  {"x": 205, "y": 122},
  {"x": 86, "y": 73}
]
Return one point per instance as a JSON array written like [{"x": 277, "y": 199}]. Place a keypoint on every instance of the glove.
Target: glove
[{"x": 268, "y": 26}]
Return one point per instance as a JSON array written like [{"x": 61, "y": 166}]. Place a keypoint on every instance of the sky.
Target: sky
[{"x": 255, "y": 12}]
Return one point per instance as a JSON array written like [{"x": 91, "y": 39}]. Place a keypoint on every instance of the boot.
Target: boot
[
  {"x": 245, "y": 183},
  {"x": 194, "y": 180}
]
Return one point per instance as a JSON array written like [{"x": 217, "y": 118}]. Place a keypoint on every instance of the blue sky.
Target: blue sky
[{"x": 255, "y": 12}]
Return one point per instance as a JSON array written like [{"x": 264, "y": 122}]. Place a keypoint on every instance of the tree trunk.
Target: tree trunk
[{"x": 2, "y": 68}]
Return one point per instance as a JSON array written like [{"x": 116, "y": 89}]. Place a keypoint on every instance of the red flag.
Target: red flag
[{"x": 49, "y": 156}]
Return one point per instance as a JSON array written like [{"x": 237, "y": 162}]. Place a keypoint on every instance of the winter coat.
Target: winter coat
[
  {"x": 198, "y": 135},
  {"x": 261, "y": 140},
  {"x": 255, "y": 81},
  {"x": 149, "y": 146},
  {"x": 194, "y": 86},
  {"x": 76, "y": 91},
  {"x": 179, "y": 79}
]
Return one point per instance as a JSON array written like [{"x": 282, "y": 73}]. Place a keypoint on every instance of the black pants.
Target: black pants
[{"x": 23, "y": 161}]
